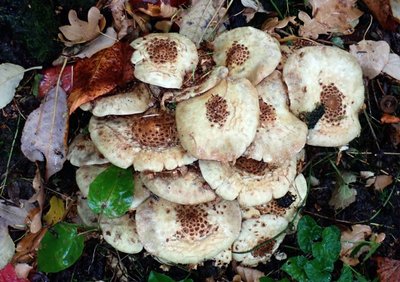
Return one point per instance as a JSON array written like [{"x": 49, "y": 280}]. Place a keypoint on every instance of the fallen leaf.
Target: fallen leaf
[
  {"x": 383, "y": 13},
  {"x": 36, "y": 220},
  {"x": 369, "y": 178},
  {"x": 8, "y": 274},
  {"x": 382, "y": 181},
  {"x": 45, "y": 132},
  {"x": 343, "y": 195},
  {"x": 388, "y": 119},
  {"x": 371, "y": 55},
  {"x": 10, "y": 76},
  {"x": 22, "y": 269},
  {"x": 80, "y": 31},
  {"x": 251, "y": 8},
  {"x": 101, "y": 42},
  {"x": 13, "y": 216},
  {"x": 249, "y": 274},
  {"x": 27, "y": 247},
  {"x": 392, "y": 68},
  {"x": 200, "y": 18},
  {"x": 329, "y": 16},
  {"x": 274, "y": 23},
  {"x": 395, "y": 134},
  {"x": 7, "y": 247},
  {"x": 56, "y": 211},
  {"x": 160, "y": 8},
  {"x": 388, "y": 269},
  {"x": 98, "y": 75},
  {"x": 50, "y": 77},
  {"x": 395, "y": 8}
]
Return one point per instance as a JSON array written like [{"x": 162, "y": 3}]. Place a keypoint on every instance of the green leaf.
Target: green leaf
[
  {"x": 307, "y": 232},
  {"x": 338, "y": 42},
  {"x": 295, "y": 268},
  {"x": 268, "y": 279},
  {"x": 159, "y": 277},
  {"x": 60, "y": 247},
  {"x": 36, "y": 84},
  {"x": 346, "y": 275},
  {"x": 111, "y": 193},
  {"x": 327, "y": 251},
  {"x": 315, "y": 272}
]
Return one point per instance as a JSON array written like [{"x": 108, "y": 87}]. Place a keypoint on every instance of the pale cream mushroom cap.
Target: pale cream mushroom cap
[
  {"x": 187, "y": 234},
  {"x": 87, "y": 216},
  {"x": 256, "y": 231},
  {"x": 247, "y": 52},
  {"x": 280, "y": 134},
  {"x": 328, "y": 76},
  {"x": 251, "y": 182},
  {"x": 149, "y": 141},
  {"x": 121, "y": 233},
  {"x": 133, "y": 100},
  {"x": 223, "y": 259},
  {"x": 163, "y": 59},
  {"x": 82, "y": 151},
  {"x": 86, "y": 174},
  {"x": 221, "y": 123},
  {"x": 181, "y": 186}
]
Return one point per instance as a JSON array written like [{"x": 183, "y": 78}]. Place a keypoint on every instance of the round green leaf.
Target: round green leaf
[
  {"x": 60, "y": 248},
  {"x": 111, "y": 193},
  {"x": 308, "y": 231}
]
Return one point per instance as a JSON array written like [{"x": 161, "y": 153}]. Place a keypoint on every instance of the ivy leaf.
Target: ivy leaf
[
  {"x": 159, "y": 277},
  {"x": 60, "y": 247},
  {"x": 328, "y": 250},
  {"x": 346, "y": 274},
  {"x": 111, "y": 193},
  {"x": 10, "y": 76},
  {"x": 295, "y": 268},
  {"x": 307, "y": 232},
  {"x": 316, "y": 272}
]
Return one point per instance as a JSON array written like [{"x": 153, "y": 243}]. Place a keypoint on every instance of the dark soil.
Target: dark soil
[{"x": 372, "y": 151}]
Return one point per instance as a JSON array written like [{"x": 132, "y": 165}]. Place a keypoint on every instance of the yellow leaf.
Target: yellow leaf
[{"x": 56, "y": 211}]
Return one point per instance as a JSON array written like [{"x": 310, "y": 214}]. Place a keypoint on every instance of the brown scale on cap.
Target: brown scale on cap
[
  {"x": 332, "y": 99},
  {"x": 155, "y": 131},
  {"x": 271, "y": 207},
  {"x": 193, "y": 220},
  {"x": 267, "y": 113},
  {"x": 162, "y": 51},
  {"x": 265, "y": 249},
  {"x": 217, "y": 110},
  {"x": 253, "y": 166},
  {"x": 237, "y": 54}
]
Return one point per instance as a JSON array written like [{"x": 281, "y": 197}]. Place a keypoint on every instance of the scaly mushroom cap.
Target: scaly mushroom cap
[
  {"x": 86, "y": 174},
  {"x": 183, "y": 186},
  {"x": 221, "y": 123},
  {"x": 280, "y": 134},
  {"x": 247, "y": 52},
  {"x": 329, "y": 80},
  {"x": 252, "y": 182},
  {"x": 187, "y": 233},
  {"x": 82, "y": 151},
  {"x": 255, "y": 232},
  {"x": 149, "y": 141},
  {"x": 285, "y": 206},
  {"x": 88, "y": 217},
  {"x": 121, "y": 233},
  {"x": 135, "y": 99},
  {"x": 163, "y": 59}
]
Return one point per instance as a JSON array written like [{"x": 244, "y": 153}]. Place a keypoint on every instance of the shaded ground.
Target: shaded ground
[{"x": 373, "y": 151}]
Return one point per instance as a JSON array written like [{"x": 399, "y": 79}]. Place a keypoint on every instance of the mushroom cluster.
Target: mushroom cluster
[{"x": 216, "y": 147}]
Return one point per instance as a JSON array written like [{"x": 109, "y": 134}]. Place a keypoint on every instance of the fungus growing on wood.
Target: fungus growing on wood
[{"x": 328, "y": 80}]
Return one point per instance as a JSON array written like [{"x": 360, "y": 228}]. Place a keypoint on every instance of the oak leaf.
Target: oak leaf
[
  {"x": 98, "y": 75},
  {"x": 80, "y": 31},
  {"x": 388, "y": 269}
]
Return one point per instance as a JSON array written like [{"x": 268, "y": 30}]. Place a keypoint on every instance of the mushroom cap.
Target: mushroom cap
[
  {"x": 256, "y": 231},
  {"x": 86, "y": 174},
  {"x": 187, "y": 233},
  {"x": 121, "y": 233},
  {"x": 88, "y": 217},
  {"x": 285, "y": 206},
  {"x": 135, "y": 99},
  {"x": 163, "y": 59},
  {"x": 247, "y": 52},
  {"x": 230, "y": 111},
  {"x": 82, "y": 151},
  {"x": 181, "y": 186},
  {"x": 252, "y": 182},
  {"x": 280, "y": 134},
  {"x": 331, "y": 77},
  {"x": 149, "y": 141},
  {"x": 223, "y": 259}
]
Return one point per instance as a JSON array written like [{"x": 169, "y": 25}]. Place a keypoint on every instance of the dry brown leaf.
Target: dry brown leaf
[
  {"x": 383, "y": 13},
  {"x": 80, "y": 31},
  {"x": 27, "y": 247},
  {"x": 388, "y": 269},
  {"x": 329, "y": 16},
  {"x": 395, "y": 134},
  {"x": 371, "y": 55},
  {"x": 45, "y": 132},
  {"x": 382, "y": 181},
  {"x": 350, "y": 240},
  {"x": 36, "y": 219},
  {"x": 392, "y": 68},
  {"x": 274, "y": 23},
  {"x": 249, "y": 274},
  {"x": 387, "y": 118}
]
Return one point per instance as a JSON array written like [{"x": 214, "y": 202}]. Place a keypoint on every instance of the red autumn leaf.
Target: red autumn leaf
[
  {"x": 388, "y": 269},
  {"x": 383, "y": 13},
  {"x": 50, "y": 76},
  {"x": 8, "y": 274},
  {"x": 98, "y": 75}
]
